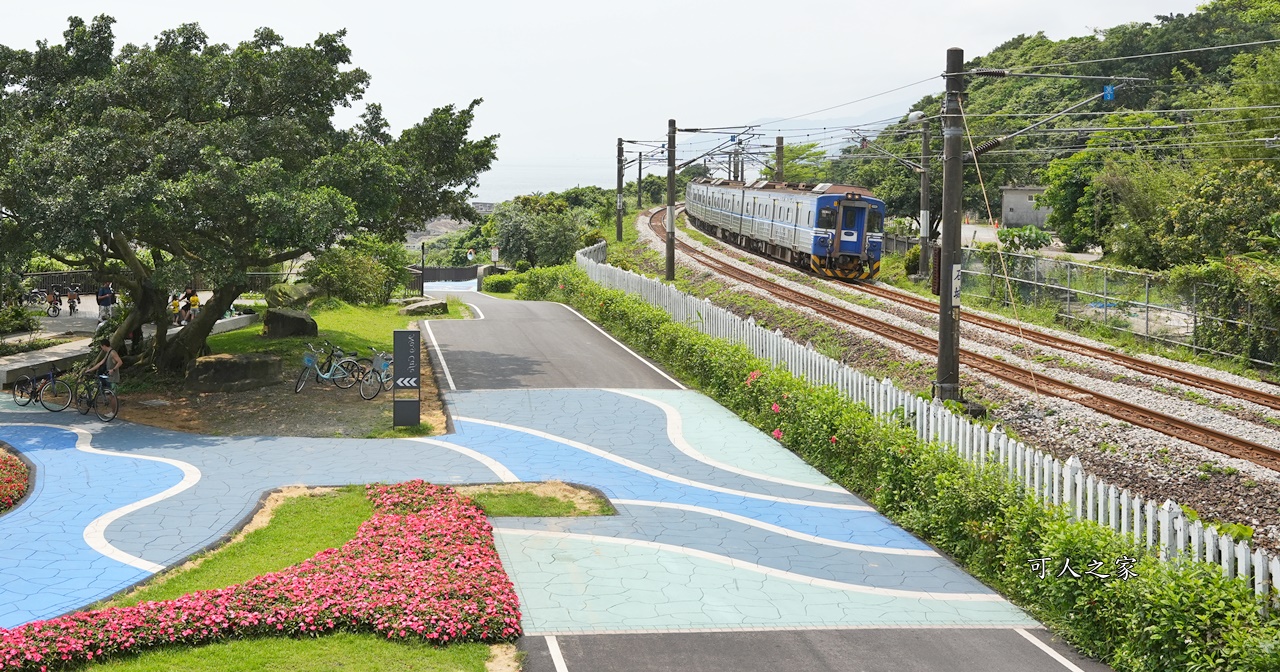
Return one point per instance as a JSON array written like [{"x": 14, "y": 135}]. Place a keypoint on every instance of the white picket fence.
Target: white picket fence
[{"x": 1160, "y": 526}]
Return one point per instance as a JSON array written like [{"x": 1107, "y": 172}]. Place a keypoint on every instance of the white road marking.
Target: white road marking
[
  {"x": 476, "y": 310},
  {"x": 662, "y": 474},
  {"x": 620, "y": 345},
  {"x": 495, "y": 466},
  {"x": 444, "y": 366},
  {"x": 887, "y": 550},
  {"x": 675, "y": 432},
  {"x": 557, "y": 658},
  {"x": 753, "y": 567},
  {"x": 95, "y": 532},
  {"x": 1047, "y": 649}
]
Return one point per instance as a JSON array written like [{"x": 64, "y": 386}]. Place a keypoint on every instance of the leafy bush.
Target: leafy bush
[
  {"x": 1021, "y": 239},
  {"x": 347, "y": 274},
  {"x": 498, "y": 283},
  {"x": 912, "y": 262},
  {"x": 1164, "y": 616},
  {"x": 15, "y": 318},
  {"x": 522, "y": 266}
]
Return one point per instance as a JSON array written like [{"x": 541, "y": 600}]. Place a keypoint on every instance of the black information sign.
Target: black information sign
[{"x": 407, "y": 409}]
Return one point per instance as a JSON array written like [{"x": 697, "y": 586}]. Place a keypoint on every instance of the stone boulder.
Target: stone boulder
[
  {"x": 234, "y": 373},
  {"x": 428, "y": 307},
  {"x": 282, "y": 322},
  {"x": 285, "y": 295},
  {"x": 409, "y": 300}
]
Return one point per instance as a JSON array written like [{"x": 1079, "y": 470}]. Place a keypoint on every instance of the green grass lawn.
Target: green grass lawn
[
  {"x": 501, "y": 295},
  {"x": 299, "y": 528},
  {"x": 337, "y": 651},
  {"x": 349, "y": 327},
  {"x": 527, "y": 504}
]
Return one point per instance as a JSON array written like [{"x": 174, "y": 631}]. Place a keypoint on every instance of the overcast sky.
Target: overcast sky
[{"x": 563, "y": 79}]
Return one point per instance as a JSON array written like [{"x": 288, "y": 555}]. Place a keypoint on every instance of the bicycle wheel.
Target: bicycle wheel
[
  {"x": 370, "y": 385},
  {"x": 56, "y": 396},
  {"x": 22, "y": 391},
  {"x": 347, "y": 373},
  {"x": 83, "y": 393},
  {"x": 107, "y": 405},
  {"x": 53, "y": 310},
  {"x": 302, "y": 379}
]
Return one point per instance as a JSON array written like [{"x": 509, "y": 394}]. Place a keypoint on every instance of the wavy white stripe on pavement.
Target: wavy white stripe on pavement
[
  {"x": 753, "y": 567},
  {"x": 887, "y": 550},
  {"x": 95, "y": 532},
  {"x": 662, "y": 474},
  {"x": 493, "y": 465},
  {"x": 675, "y": 432}
]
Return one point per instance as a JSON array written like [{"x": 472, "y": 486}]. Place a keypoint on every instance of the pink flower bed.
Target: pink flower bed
[
  {"x": 423, "y": 567},
  {"x": 13, "y": 480}
]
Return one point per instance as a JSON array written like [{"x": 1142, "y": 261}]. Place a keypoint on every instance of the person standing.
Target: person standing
[
  {"x": 107, "y": 364},
  {"x": 106, "y": 301}
]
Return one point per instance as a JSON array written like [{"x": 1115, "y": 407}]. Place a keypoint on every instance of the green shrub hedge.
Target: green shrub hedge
[
  {"x": 1165, "y": 616},
  {"x": 499, "y": 283}
]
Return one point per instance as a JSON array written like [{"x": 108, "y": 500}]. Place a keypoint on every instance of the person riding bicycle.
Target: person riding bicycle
[
  {"x": 108, "y": 363},
  {"x": 73, "y": 298}
]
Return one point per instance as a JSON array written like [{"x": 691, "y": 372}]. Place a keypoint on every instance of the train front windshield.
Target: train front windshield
[{"x": 875, "y": 221}]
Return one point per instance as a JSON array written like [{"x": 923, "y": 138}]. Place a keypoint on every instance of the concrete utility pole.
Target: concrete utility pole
[
  {"x": 639, "y": 178},
  {"x": 671, "y": 199},
  {"x": 926, "y": 217},
  {"x": 947, "y": 385},
  {"x": 620, "y": 189},
  {"x": 780, "y": 176}
]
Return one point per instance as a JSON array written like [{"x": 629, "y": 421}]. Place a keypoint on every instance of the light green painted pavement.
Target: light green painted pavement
[
  {"x": 719, "y": 434},
  {"x": 576, "y": 586}
]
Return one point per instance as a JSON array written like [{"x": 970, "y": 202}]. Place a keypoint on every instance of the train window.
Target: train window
[
  {"x": 827, "y": 218},
  {"x": 875, "y": 221}
]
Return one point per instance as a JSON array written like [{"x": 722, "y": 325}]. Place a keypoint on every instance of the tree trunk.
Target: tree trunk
[{"x": 189, "y": 343}]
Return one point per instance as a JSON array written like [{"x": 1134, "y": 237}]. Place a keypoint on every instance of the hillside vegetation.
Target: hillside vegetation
[{"x": 1175, "y": 175}]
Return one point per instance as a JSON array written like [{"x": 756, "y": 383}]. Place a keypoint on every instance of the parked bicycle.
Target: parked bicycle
[
  {"x": 338, "y": 368},
  {"x": 50, "y": 390},
  {"x": 96, "y": 394},
  {"x": 54, "y": 303},
  {"x": 73, "y": 300},
  {"x": 378, "y": 377}
]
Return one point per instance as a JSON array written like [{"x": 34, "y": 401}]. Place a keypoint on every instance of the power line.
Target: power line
[{"x": 1162, "y": 53}]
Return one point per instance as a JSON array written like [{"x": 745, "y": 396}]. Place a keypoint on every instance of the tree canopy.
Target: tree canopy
[{"x": 186, "y": 158}]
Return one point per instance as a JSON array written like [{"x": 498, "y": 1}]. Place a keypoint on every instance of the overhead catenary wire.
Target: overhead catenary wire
[{"x": 1151, "y": 55}]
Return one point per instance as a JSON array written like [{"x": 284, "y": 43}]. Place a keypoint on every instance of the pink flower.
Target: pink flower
[
  {"x": 423, "y": 567},
  {"x": 777, "y": 408},
  {"x": 833, "y": 440},
  {"x": 777, "y": 434},
  {"x": 561, "y": 285},
  {"x": 753, "y": 377}
]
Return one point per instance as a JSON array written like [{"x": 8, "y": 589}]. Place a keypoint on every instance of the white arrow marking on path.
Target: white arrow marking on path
[{"x": 406, "y": 382}]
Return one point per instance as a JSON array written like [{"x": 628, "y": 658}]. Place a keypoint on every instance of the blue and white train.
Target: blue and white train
[{"x": 836, "y": 230}]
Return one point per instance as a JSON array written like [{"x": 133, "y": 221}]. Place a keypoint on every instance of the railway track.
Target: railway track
[
  {"x": 1010, "y": 373},
  {"x": 1048, "y": 340}
]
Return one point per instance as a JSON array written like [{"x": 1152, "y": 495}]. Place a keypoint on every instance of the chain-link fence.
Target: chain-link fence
[{"x": 1139, "y": 303}]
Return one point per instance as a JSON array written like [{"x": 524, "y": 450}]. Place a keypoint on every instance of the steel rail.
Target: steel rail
[{"x": 1118, "y": 408}]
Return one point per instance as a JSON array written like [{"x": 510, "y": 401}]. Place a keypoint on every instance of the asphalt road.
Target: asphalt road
[
  {"x": 524, "y": 344},
  {"x": 859, "y": 650}
]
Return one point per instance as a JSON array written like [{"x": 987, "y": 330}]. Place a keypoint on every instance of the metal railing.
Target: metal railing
[{"x": 1142, "y": 304}]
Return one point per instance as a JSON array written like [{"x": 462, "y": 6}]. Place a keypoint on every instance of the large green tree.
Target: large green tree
[{"x": 186, "y": 158}]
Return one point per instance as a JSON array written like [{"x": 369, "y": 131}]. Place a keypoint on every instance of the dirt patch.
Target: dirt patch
[
  {"x": 503, "y": 658},
  {"x": 320, "y": 410},
  {"x": 586, "y": 501}
]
